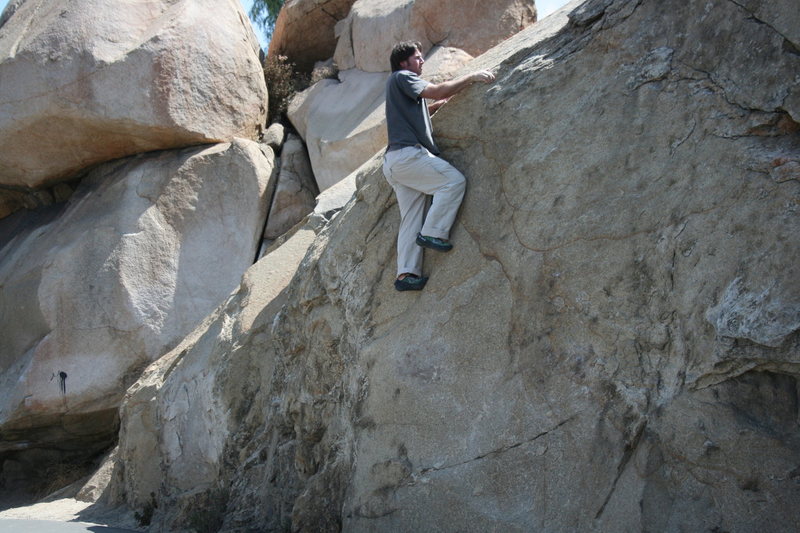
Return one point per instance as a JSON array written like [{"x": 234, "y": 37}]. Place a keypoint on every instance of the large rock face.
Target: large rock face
[
  {"x": 305, "y": 30},
  {"x": 360, "y": 33},
  {"x": 612, "y": 345},
  {"x": 374, "y": 26},
  {"x": 89, "y": 81},
  {"x": 200, "y": 387},
  {"x": 343, "y": 123},
  {"x": 94, "y": 290}
]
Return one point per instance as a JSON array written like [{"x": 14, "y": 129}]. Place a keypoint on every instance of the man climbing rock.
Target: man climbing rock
[{"x": 412, "y": 166}]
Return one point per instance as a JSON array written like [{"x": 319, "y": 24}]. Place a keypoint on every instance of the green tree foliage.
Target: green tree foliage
[{"x": 265, "y": 13}]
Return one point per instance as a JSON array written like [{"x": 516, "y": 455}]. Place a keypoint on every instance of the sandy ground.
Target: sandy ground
[{"x": 71, "y": 510}]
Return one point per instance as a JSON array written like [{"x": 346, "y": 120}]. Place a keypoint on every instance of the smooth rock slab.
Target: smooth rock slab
[
  {"x": 177, "y": 418},
  {"x": 94, "y": 290},
  {"x": 342, "y": 122},
  {"x": 88, "y": 81}
]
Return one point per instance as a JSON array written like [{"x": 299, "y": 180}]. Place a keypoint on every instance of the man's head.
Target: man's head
[{"x": 407, "y": 56}]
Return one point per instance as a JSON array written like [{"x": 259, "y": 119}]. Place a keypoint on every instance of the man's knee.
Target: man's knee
[
  {"x": 462, "y": 181},
  {"x": 456, "y": 181}
]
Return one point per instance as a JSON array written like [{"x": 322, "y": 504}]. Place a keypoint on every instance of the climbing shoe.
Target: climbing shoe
[
  {"x": 410, "y": 283},
  {"x": 433, "y": 243}
]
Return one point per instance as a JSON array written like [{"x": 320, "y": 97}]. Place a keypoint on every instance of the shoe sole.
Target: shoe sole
[{"x": 400, "y": 286}]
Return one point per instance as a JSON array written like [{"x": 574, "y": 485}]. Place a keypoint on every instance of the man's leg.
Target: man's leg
[
  {"x": 426, "y": 173},
  {"x": 412, "y": 212},
  {"x": 447, "y": 197}
]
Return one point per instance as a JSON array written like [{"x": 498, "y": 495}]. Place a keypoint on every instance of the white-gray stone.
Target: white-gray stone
[
  {"x": 88, "y": 81},
  {"x": 294, "y": 194},
  {"x": 372, "y": 28},
  {"x": 94, "y": 290},
  {"x": 342, "y": 122},
  {"x": 766, "y": 315},
  {"x": 274, "y": 136},
  {"x": 198, "y": 388}
]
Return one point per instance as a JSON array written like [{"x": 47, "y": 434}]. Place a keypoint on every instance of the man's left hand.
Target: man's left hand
[{"x": 434, "y": 106}]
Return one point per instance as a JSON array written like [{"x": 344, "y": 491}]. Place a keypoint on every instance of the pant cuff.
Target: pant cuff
[
  {"x": 409, "y": 270},
  {"x": 437, "y": 233}
]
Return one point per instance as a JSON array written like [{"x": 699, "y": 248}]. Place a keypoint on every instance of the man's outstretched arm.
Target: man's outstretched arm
[{"x": 446, "y": 89}]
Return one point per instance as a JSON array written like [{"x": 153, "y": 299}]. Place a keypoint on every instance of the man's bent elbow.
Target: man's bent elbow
[{"x": 434, "y": 92}]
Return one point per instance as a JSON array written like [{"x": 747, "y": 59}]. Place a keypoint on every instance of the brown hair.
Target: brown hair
[{"x": 401, "y": 52}]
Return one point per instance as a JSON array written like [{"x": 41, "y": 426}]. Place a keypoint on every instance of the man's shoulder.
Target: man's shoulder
[
  {"x": 405, "y": 76},
  {"x": 406, "y": 82}
]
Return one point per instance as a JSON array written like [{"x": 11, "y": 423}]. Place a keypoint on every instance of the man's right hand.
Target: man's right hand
[
  {"x": 483, "y": 76},
  {"x": 441, "y": 91}
]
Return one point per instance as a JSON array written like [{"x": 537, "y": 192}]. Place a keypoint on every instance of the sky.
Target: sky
[{"x": 544, "y": 8}]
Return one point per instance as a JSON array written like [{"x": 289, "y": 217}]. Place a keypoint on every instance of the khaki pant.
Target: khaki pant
[{"x": 413, "y": 172}]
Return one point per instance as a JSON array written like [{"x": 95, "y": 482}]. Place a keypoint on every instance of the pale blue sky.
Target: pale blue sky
[{"x": 544, "y": 7}]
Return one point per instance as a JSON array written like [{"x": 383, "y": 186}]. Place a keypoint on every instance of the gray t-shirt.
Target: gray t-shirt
[{"x": 407, "y": 117}]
